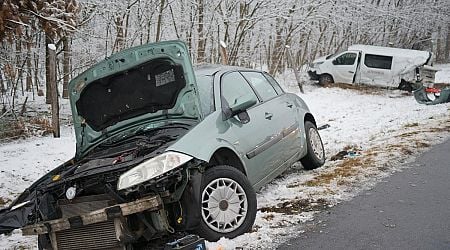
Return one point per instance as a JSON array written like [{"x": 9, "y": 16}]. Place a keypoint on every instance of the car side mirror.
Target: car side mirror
[
  {"x": 334, "y": 62},
  {"x": 242, "y": 104}
]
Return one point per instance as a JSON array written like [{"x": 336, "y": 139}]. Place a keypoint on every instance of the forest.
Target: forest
[{"x": 270, "y": 35}]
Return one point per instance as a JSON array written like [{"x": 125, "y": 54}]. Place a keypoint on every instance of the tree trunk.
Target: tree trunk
[
  {"x": 29, "y": 79},
  {"x": 54, "y": 90},
  {"x": 48, "y": 98},
  {"x": 294, "y": 68},
  {"x": 447, "y": 44},
  {"x": 159, "y": 24},
  {"x": 66, "y": 67},
  {"x": 201, "y": 45}
]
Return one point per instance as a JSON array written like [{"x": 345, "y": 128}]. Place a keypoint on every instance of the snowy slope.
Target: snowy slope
[{"x": 386, "y": 128}]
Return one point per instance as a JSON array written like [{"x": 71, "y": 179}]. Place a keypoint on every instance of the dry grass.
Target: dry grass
[
  {"x": 296, "y": 206},
  {"x": 4, "y": 201},
  {"x": 410, "y": 125},
  {"x": 21, "y": 127},
  {"x": 365, "y": 89},
  {"x": 347, "y": 168}
]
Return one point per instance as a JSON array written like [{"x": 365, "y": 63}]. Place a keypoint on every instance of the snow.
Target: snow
[
  {"x": 387, "y": 127},
  {"x": 51, "y": 46},
  {"x": 443, "y": 75}
]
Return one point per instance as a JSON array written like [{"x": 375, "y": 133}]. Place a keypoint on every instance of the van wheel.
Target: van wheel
[
  {"x": 316, "y": 153},
  {"x": 406, "y": 86},
  {"x": 325, "y": 79},
  {"x": 228, "y": 203}
]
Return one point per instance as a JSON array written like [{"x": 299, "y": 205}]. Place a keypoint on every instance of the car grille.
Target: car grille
[{"x": 95, "y": 236}]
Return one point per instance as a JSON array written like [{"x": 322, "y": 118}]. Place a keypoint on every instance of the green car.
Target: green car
[{"x": 163, "y": 149}]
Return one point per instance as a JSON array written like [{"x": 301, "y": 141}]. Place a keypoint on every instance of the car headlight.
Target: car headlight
[{"x": 152, "y": 168}]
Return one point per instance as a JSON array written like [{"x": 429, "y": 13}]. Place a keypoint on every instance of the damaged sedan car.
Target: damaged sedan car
[{"x": 162, "y": 150}]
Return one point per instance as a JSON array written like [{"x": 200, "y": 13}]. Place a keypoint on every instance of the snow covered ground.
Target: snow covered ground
[{"x": 383, "y": 129}]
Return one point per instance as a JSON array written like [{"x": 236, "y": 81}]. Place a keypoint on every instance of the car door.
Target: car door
[
  {"x": 283, "y": 121},
  {"x": 344, "y": 67},
  {"x": 256, "y": 139}
]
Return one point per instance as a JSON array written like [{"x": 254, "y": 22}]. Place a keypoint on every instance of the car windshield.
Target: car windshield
[{"x": 205, "y": 89}]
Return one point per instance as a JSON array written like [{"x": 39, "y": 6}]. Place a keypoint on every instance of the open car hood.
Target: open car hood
[{"x": 152, "y": 82}]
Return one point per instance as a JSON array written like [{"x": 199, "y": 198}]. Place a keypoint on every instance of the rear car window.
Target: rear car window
[
  {"x": 261, "y": 85},
  {"x": 274, "y": 84},
  {"x": 377, "y": 61}
]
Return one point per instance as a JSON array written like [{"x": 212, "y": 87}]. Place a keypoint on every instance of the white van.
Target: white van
[{"x": 373, "y": 65}]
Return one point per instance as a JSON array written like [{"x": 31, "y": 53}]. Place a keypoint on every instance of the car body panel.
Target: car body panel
[
  {"x": 88, "y": 136},
  {"x": 285, "y": 129}
]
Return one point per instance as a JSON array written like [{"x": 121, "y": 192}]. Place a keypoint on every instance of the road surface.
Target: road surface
[{"x": 409, "y": 210}]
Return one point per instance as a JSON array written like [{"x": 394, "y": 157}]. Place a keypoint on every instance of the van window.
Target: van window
[
  {"x": 377, "y": 61},
  {"x": 345, "y": 59}
]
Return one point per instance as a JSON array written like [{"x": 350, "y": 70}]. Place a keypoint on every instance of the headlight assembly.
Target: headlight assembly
[{"x": 152, "y": 168}]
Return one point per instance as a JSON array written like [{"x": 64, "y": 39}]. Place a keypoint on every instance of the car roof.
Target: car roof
[{"x": 211, "y": 69}]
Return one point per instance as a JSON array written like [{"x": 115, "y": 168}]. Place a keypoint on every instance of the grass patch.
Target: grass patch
[
  {"x": 4, "y": 201},
  {"x": 410, "y": 125},
  {"x": 347, "y": 168},
  {"x": 11, "y": 129},
  {"x": 296, "y": 206}
]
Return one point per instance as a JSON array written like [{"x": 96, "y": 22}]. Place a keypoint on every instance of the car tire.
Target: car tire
[
  {"x": 241, "y": 212},
  {"x": 406, "y": 86},
  {"x": 325, "y": 79},
  {"x": 315, "y": 156},
  {"x": 44, "y": 242}
]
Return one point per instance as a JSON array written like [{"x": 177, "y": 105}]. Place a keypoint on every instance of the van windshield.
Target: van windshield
[{"x": 334, "y": 54}]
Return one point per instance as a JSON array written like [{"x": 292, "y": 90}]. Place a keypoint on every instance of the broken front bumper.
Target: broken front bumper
[{"x": 151, "y": 203}]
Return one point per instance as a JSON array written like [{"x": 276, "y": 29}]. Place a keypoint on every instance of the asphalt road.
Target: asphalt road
[{"x": 411, "y": 210}]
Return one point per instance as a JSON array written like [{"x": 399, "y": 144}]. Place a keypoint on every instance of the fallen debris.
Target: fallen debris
[
  {"x": 325, "y": 126},
  {"x": 432, "y": 96}
]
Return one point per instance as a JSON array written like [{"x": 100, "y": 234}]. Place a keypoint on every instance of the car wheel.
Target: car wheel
[
  {"x": 325, "y": 79},
  {"x": 44, "y": 242},
  {"x": 316, "y": 153},
  {"x": 228, "y": 203}
]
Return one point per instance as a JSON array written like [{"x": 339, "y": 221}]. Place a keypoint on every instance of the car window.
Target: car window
[
  {"x": 261, "y": 85},
  {"x": 345, "y": 59},
  {"x": 377, "y": 61},
  {"x": 234, "y": 86},
  {"x": 205, "y": 90},
  {"x": 274, "y": 84}
]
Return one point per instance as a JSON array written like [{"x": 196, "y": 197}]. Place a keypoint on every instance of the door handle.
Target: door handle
[
  {"x": 268, "y": 116},
  {"x": 289, "y": 105},
  {"x": 351, "y": 72}
]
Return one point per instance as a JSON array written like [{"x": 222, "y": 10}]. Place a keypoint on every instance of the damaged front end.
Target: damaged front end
[
  {"x": 123, "y": 187},
  {"x": 115, "y": 197}
]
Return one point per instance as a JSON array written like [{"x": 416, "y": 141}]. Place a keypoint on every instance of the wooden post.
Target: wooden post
[
  {"x": 294, "y": 68},
  {"x": 54, "y": 89}
]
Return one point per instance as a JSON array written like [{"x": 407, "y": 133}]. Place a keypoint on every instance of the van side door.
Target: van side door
[
  {"x": 344, "y": 67},
  {"x": 377, "y": 70}
]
